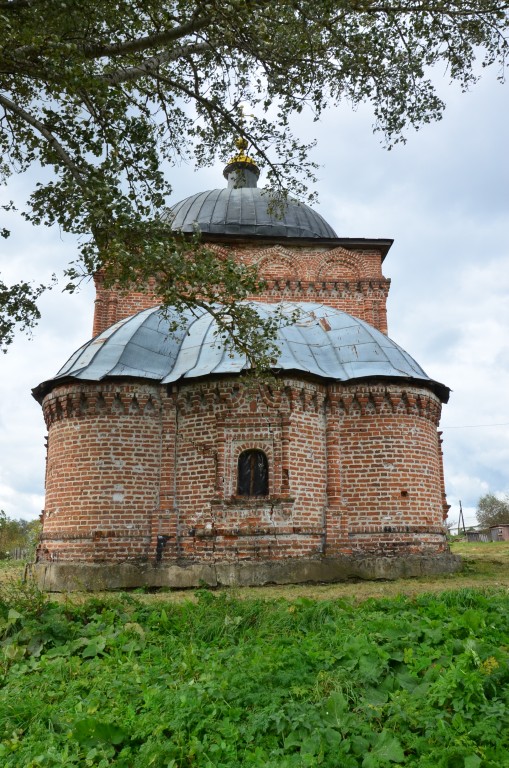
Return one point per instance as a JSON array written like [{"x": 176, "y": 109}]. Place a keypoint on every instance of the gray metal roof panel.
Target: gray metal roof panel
[{"x": 316, "y": 339}]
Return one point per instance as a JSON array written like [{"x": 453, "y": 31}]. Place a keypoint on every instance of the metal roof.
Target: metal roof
[
  {"x": 312, "y": 338},
  {"x": 245, "y": 211}
]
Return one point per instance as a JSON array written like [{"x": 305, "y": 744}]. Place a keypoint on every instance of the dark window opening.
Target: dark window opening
[{"x": 253, "y": 474}]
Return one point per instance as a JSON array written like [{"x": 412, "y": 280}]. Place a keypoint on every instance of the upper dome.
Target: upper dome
[
  {"x": 243, "y": 209},
  {"x": 322, "y": 341}
]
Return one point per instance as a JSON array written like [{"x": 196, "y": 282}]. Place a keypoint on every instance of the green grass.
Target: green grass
[
  {"x": 489, "y": 557},
  {"x": 11, "y": 566},
  {"x": 221, "y": 681},
  {"x": 364, "y": 675}
]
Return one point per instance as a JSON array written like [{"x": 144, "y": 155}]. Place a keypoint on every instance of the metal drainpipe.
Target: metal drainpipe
[
  {"x": 176, "y": 508},
  {"x": 161, "y": 543}
]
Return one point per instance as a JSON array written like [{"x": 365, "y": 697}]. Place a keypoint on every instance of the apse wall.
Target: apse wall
[{"x": 146, "y": 475}]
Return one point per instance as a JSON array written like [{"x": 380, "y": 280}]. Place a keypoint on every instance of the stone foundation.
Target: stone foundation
[{"x": 76, "y": 577}]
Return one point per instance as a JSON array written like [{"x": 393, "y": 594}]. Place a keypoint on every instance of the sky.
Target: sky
[{"x": 443, "y": 197}]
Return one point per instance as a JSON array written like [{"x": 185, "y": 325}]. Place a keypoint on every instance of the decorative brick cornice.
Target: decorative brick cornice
[
  {"x": 315, "y": 265},
  {"x": 86, "y": 401},
  {"x": 221, "y": 250},
  {"x": 276, "y": 251},
  {"x": 342, "y": 259},
  {"x": 283, "y": 396},
  {"x": 211, "y": 396},
  {"x": 291, "y": 395},
  {"x": 376, "y": 400},
  {"x": 307, "y": 290},
  {"x": 274, "y": 257}
]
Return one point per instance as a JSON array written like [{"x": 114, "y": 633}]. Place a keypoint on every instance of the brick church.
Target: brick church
[{"x": 167, "y": 467}]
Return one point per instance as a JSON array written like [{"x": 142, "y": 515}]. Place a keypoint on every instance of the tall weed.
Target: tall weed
[{"x": 225, "y": 682}]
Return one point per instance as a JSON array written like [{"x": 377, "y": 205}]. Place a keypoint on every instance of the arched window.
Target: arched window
[{"x": 253, "y": 474}]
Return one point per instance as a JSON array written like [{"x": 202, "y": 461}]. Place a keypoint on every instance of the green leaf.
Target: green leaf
[
  {"x": 334, "y": 708},
  {"x": 386, "y": 749},
  {"x": 472, "y": 619},
  {"x": 376, "y": 696},
  {"x": 35, "y": 646},
  {"x": 91, "y": 731},
  {"x": 94, "y": 647}
]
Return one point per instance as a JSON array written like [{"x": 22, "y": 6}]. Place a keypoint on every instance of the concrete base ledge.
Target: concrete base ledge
[{"x": 95, "y": 577}]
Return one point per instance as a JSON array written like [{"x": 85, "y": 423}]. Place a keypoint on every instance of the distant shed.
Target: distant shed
[
  {"x": 499, "y": 532},
  {"x": 479, "y": 536}
]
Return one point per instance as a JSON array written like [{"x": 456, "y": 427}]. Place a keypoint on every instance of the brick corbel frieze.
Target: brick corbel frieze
[
  {"x": 281, "y": 396},
  {"x": 365, "y": 400},
  {"x": 88, "y": 401}
]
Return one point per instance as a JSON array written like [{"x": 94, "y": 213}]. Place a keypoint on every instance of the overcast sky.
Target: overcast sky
[{"x": 443, "y": 197}]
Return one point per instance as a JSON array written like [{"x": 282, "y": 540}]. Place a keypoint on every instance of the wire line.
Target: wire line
[{"x": 477, "y": 426}]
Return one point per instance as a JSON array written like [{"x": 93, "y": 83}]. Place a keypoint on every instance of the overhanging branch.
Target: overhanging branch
[
  {"x": 152, "y": 64},
  {"x": 10, "y": 106},
  {"x": 149, "y": 41}
]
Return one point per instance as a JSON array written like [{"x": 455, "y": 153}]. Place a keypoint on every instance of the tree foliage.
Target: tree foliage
[
  {"x": 492, "y": 511},
  {"x": 15, "y": 534},
  {"x": 102, "y": 97}
]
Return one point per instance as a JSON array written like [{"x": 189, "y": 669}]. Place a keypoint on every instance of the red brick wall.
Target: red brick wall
[
  {"x": 214, "y": 428},
  {"x": 351, "y": 469},
  {"x": 103, "y": 470},
  {"x": 351, "y": 281},
  {"x": 390, "y": 482}
]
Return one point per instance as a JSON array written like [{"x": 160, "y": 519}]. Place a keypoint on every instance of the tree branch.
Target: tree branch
[
  {"x": 14, "y": 5},
  {"x": 31, "y": 120},
  {"x": 150, "y": 65},
  {"x": 431, "y": 9},
  {"x": 150, "y": 41},
  {"x": 217, "y": 109}
]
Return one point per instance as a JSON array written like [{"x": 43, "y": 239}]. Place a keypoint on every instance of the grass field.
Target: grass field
[{"x": 365, "y": 675}]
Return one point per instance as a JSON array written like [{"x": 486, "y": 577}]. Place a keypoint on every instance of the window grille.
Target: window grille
[{"x": 253, "y": 474}]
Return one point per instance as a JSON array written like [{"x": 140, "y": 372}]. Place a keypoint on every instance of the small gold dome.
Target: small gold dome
[{"x": 241, "y": 170}]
